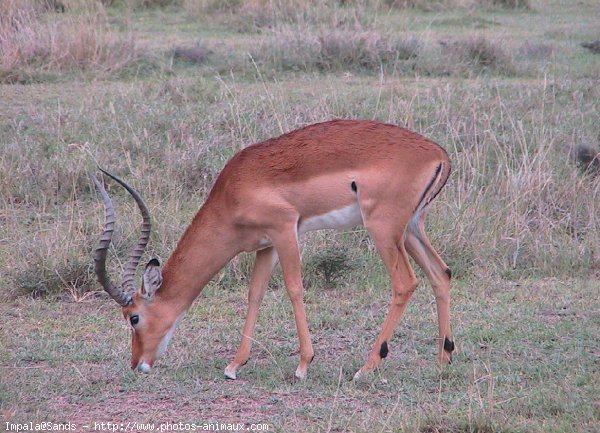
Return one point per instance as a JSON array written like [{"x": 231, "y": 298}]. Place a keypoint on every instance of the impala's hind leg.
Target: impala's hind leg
[
  {"x": 389, "y": 242},
  {"x": 420, "y": 249},
  {"x": 263, "y": 268}
]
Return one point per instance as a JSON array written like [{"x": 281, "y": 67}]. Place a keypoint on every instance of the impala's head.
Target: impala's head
[{"x": 152, "y": 323}]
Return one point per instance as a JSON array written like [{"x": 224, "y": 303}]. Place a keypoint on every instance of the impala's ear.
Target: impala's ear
[{"x": 152, "y": 279}]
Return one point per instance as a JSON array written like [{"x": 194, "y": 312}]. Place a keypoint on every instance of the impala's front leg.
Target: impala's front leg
[
  {"x": 286, "y": 244},
  {"x": 263, "y": 268}
]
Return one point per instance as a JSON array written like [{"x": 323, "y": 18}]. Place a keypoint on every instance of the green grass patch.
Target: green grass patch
[{"x": 63, "y": 357}]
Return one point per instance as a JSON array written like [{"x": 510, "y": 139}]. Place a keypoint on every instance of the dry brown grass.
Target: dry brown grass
[
  {"x": 34, "y": 40},
  {"x": 515, "y": 206},
  {"x": 264, "y": 15}
]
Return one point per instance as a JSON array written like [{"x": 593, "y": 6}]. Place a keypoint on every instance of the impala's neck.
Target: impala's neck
[{"x": 204, "y": 249}]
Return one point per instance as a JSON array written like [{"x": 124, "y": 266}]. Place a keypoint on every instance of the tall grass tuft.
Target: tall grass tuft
[{"x": 34, "y": 40}]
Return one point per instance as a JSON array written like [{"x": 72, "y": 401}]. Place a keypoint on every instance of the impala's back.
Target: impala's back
[{"x": 328, "y": 172}]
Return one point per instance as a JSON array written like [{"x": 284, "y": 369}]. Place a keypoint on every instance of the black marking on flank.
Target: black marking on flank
[
  {"x": 383, "y": 350},
  {"x": 442, "y": 185},
  {"x": 448, "y": 345},
  {"x": 311, "y": 359},
  {"x": 353, "y": 186},
  {"x": 424, "y": 196},
  {"x": 448, "y": 272}
]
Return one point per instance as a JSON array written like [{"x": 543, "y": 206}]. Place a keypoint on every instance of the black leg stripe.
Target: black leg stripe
[
  {"x": 383, "y": 350},
  {"x": 448, "y": 345}
]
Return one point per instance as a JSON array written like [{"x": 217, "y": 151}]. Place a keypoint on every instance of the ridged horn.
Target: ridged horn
[
  {"x": 128, "y": 284},
  {"x": 116, "y": 293}
]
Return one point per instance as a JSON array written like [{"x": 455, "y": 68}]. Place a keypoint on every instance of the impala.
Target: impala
[{"x": 336, "y": 174}]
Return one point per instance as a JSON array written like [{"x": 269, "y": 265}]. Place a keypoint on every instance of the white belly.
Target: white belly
[{"x": 343, "y": 218}]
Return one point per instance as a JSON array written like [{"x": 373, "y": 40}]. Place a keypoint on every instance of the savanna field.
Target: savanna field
[{"x": 163, "y": 92}]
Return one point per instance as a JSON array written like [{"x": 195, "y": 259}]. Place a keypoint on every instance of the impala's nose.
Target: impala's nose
[{"x": 142, "y": 367}]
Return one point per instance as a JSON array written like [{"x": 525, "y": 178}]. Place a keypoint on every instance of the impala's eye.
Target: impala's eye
[{"x": 134, "y": 320}]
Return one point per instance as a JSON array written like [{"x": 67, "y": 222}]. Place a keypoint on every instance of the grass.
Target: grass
[
  {"x": 36, "y": 40},
  {"x": 164, "y": 95},
  {"x": 526, "y": 362}
]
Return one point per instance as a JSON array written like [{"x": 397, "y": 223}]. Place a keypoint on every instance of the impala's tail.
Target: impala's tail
[{"x": 435, "y": 185}]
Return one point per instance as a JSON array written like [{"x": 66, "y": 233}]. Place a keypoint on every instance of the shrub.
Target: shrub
[
  {"x": 588, "y": 158},
  {"x": 424, "y": 5},
  {"x": 197, "y": 53},
  {"x": 437, "y": 5},
  {"x": 476, "y": 54},
  {"x": 594, "y": 46},
  {"x": 327, "y": 50},
  {"x": 140, "y": 4},
  {"x": 511, "y": 4},
  {"x": 536, "y": 50},
  {"x": 45, "y": 276},
  {"x": 347, "y": 49},
  {"x": 481, "y": 52},
  {"x": 331, "y": 264}
]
